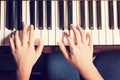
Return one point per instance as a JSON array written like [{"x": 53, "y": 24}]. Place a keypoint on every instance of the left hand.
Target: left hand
[{"x": 23, "y": 49}]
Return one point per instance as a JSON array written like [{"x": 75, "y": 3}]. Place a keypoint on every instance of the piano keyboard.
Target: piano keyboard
[{"x": 50, "y": 18}]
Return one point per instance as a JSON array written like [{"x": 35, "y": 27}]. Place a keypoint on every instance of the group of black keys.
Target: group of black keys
[{"x": 18, "y": 5}]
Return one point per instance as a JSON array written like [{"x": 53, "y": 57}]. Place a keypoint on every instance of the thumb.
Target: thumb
[{"x": 39, "y": 48}]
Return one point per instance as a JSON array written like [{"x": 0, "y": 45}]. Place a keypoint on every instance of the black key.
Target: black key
[
  {"x": 118, "y": 14},
  {"x": 90, "y": 7},
  {"x": 19, "y": 14},
  {"x": 61, "y": 15},
  {"x": 98, "y": 3},
  {"x": 40, "y": 14},
  {"x": 69, "y": 14},
  {"x": 111, "y": 14},
  {"x": 82, "y": 14},
  {"x": 9, "y": 14},
  {"x": 32, "y": 12},
  {"x": 49, "y": 14}
]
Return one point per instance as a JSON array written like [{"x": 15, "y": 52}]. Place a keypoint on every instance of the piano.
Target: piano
[{"x": 51, "y": 18}]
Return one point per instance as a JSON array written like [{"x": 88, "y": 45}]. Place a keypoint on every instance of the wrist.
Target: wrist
[
  {"x": 89, "y": 72},
  {"x": 23, "y": 72},
  {"x": 85, "y": 67}
]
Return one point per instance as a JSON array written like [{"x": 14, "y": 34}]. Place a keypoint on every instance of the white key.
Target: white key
[
  {"x": 65, "y": 21},
  {"x": 7, "y": 32},
  {"x": 28, "y": 13},
  {"x": 37, "y": 32},
  {"x": 74, "y": 12},
  {"x": 109, "y": 33},
  {"x": 52, "y": 31},
  {"x": 58, "y": 31},
  {"x": 102, "y": 33},
  {"x": 74, "y": 8},
  {"x": 116, "y": 30},
  {"x": 45, "y": 31},
  {"x": 78, "y": 12},
  {"x": 24, "y": 11},
  {"x": 87, "y": 18},
  {"x": 95, "y": 30},
  {"x": 2, "y": 24}
]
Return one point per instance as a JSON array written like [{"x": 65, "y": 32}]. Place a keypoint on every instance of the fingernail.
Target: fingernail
[
  {"x": 71, "y": 26},
  {"x": 31, "y": 25},
  {"x": 66, "y": 34},
  {"x": 77, "y": 26}
]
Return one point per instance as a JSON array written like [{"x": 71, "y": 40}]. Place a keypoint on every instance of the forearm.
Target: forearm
[
  {"x": 24, "y": 73},
  {"x": 90, "y": 72}
]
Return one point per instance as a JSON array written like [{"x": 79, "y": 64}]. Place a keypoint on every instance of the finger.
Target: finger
[
  {"x": 90, "y": 42},
  {"x": 69, "y": 40},
  {"x": 17, "y": 39},
  {"x": 76, "y": 34},
  {"x": 64, "y": 50},
  {"x": 31, "y": 36},
  {"x": 24, "y": 34},
  {"x": 81, "y": 33},
  {"x": 12, "y": 45},
  {"x": 20, "y": 34},
  {"x": 39, "y": 48}
]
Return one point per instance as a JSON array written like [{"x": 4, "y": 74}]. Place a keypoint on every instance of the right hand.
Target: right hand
[{"x": 81, "y": 53}]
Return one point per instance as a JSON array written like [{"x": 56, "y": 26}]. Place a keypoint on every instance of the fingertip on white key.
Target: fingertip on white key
[
  {"x": 64, "y": 38},
  {"x": 38, "y": 41},
  {"x": 66, "y": 31}
]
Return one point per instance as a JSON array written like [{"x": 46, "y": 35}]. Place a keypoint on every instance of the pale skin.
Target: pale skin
[
  {"x": 24, "y": 52},
  {"x": 80, "y": 55}
]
